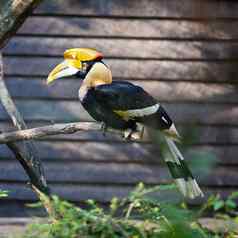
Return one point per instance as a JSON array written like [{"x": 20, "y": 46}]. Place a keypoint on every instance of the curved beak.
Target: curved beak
[
  {"x": 64, "y": 69},
  {"x": 73, "y": 62}
]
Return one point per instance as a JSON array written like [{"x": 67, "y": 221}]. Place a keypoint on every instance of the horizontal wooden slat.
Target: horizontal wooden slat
[
  {"x": 10, "y": 227},
  {"x": 143, "y": 8},
  {"x": 104, "y": 27},
  {"x": 17, "y": 208},
  {"x": 121, "y": 68},
  {"x": 115, "y": 173},
  {"x": 50, "y": 110},
  {"x": 74, "y": 172},
  {"x": 74, "y": 193},
  {"x": 225, "y": 114},
  {"x": 92, "y": 151},
  {"x": 162, "y": 91},
  {"x": 125, "y": 48},
  {"x": 59, "y": 151},
  {"x": 71, "y": 192},
  {"x": 21, "y": 221}
]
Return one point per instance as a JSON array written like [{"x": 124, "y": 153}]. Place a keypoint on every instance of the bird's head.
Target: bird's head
[{"x": 81, "y": 62}]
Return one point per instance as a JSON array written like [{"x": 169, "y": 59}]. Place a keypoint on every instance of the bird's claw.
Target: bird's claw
[
  {"x": 127, "y": 134},
  {"x": 130, "y": 134}
]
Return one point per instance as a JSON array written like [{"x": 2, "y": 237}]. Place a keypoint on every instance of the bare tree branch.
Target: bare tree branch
[
  {"x": 25, "y": 152},
  {"x": 12, "y": 14},
  {"x": 67, "y": 128}
]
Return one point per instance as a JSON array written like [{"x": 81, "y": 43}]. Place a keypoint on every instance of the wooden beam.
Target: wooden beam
[
  {"x": 114, "y": 173},
  {"x": 210, "y": 71},
  {"x": 140, "y": 49},
  {"x": 196, "y": 9},
  {"x": 129, "y": 28}
]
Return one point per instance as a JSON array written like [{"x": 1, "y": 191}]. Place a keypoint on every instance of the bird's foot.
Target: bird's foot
[
  {"x": 137, "y": 134},
  {"x": 104, "y": 128},
  {"x": 127, "y": 134}
]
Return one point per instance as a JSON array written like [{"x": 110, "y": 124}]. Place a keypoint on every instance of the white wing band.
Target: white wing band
[{"x": 143, "y": 111}]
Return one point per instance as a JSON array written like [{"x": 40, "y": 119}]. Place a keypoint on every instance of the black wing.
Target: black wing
[
  {"x": 123, "y": 96},
  {"x": 131, "y": 102}
]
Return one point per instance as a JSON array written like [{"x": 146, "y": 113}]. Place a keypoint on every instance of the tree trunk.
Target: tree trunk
[{"x": 12, "y": 14}]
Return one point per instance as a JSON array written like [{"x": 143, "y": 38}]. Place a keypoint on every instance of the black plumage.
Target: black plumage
[
  {"x": 104, "y": 101},
  {"x": 122, "y": 95},
  {"x": 97, "y": 110}
]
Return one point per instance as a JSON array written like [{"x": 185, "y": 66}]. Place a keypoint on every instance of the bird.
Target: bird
[{"x": 124, "y": 106}]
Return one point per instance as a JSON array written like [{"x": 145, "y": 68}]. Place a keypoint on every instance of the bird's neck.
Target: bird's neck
[{"x": 99, "y": 74}]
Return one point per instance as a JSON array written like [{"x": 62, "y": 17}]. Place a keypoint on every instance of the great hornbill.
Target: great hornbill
[{"x": 123, "y": 105}]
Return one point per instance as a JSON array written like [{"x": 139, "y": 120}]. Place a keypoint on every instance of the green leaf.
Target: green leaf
[
  {"x": 114, "y": 205},
  {"x": 34, "y": 205},
  {"x": 3, "y": 193},
  {"x": 218, "y": 205},
  {"x": 233, "y": 195},
  {"x": 230, "y": 204}
]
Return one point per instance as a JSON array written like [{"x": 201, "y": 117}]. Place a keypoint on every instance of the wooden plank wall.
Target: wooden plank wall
[{"x": 183, "y": 52}]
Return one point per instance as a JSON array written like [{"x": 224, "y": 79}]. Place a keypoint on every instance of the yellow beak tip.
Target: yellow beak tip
[{"x": 49, "y": 80}]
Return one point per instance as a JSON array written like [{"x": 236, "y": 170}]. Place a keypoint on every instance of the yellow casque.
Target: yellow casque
[
  {"x": 82, "y": 54},
  {"x": 73, "y": 62}
]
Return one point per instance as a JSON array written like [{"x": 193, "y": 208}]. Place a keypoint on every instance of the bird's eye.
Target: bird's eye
[{"x": 84, "y": 66}]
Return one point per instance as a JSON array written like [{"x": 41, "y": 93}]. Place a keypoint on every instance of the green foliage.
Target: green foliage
[
  {"x": 140, "y": 215},
  {"x": 137, "y": 216},
  {"x": 222, "y": 207},
  {"x": 3, "y": 193}
]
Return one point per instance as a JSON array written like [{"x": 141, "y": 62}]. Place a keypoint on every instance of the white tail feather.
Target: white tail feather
[
  {"x": 188, "y": 187},
  {"x": 174, "y": 158}
]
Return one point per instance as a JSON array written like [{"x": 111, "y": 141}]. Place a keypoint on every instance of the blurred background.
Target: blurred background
[{"x": 185, "y": 53}]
